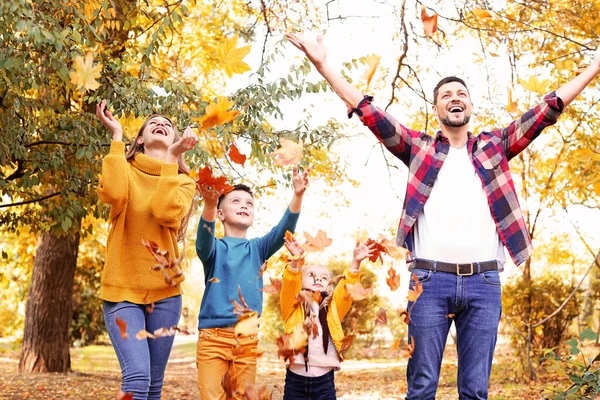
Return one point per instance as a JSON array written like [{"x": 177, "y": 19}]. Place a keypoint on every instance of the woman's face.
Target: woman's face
[{"x": 158, "y": 132}]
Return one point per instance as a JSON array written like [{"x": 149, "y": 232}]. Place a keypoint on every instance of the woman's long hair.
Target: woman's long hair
[{"x": 183, "y": 168}]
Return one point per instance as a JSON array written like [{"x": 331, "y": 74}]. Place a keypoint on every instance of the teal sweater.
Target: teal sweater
[{"x": 235, "y": 261}]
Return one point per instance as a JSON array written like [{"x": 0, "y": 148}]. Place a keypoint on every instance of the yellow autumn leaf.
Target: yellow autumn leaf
[
  {"x": 481, "y": 14},
  {"x": 533, "y": 84},
  {"x": 511, "y": 106},
  {"x": 289, "y": 153},
  {"x": 247, "y": 326},
  {"x": 218, "y": 113},
  {"x": 230, "y": 56},
  {"x": 85, "y": 73},
  {"x": 372, "y": 62}
]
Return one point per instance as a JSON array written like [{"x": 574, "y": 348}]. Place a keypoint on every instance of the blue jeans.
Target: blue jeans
[
  {"x": 143, "y": 362},
  {"x": 476, "y": 304},
  {"x": 298, "y": 387}
]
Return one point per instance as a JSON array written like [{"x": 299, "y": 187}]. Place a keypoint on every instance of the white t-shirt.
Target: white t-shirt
[{"x": 456, "y": 225}]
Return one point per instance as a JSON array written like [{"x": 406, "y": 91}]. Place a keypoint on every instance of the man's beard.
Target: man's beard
[{"x": 455, "y": 124}]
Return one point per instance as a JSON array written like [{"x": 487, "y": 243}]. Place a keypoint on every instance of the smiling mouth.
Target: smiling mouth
[
  {"x": 159, "y": 131},
  {"x": 456, "y": 109},
  {"x": 245, "y": 214}
]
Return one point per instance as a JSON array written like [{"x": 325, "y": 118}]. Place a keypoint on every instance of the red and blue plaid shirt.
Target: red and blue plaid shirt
[{"x": 490, "y": 152}]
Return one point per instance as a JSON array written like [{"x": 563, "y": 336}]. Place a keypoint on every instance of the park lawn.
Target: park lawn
[{"x": 96, "y": 375}]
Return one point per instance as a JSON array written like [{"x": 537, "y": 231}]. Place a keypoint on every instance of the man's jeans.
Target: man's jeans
[
  {"x": 309, "y": 388},
  {"x": 143, "y": 362},
  {"x": 474, "y": 304}
]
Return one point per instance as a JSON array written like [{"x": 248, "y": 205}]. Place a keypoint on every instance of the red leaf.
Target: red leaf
[
  {"x": 429, "y": 21},
  {"x": 235, "y": 155},
  {"x": 205, "y": 176},
  {"x": 122, "y": 327}
]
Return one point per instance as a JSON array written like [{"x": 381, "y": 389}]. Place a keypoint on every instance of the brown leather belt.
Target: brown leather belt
[{"x": 458, "y": 269}]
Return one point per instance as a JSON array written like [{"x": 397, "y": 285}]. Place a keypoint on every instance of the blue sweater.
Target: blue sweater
[{"x": 235, "y": 261}]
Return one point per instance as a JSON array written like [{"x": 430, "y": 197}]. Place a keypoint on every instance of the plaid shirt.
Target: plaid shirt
[{"x": 490, "y": 152}]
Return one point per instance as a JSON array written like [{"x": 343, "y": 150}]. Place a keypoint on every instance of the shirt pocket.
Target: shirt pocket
[{"x": 488, "y": 156}]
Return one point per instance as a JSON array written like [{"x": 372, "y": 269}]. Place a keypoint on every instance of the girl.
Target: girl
[
  {"x": 310, "y": 376},
  {"x": 151, "y": 195}
]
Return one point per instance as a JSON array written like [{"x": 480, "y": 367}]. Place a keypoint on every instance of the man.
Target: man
[{"x": 459, "y": 213}]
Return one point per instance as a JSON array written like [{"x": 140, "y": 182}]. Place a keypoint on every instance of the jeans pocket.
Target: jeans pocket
[
  {"x": 422, "y": 275},
  {"x": 492, "y": 278}
]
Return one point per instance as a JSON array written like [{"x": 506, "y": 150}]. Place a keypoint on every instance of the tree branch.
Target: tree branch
[{"x": 30, "y": 201}]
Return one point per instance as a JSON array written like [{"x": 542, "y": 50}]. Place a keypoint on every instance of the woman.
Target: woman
[{"x": 151, "y": 195}]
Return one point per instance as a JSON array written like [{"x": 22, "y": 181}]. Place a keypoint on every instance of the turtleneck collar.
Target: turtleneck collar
[{"x": 147, "y": 164}]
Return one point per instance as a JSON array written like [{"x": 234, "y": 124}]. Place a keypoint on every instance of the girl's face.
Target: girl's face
[
  {"x": 315, "y": 278},
  {"x": 158, "y": 132}
]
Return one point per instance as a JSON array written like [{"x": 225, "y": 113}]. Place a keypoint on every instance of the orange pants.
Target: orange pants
[{"x": 219, "y": 351}]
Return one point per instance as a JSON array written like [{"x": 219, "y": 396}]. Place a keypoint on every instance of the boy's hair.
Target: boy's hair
[
  {"x": 447, "y": 79},
  {"x": 239, "y": 186}
]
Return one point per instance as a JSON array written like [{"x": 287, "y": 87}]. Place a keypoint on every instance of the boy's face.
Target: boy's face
[
  {"x": 237, "y": 209},
  {"x": 315, "y": 278}
]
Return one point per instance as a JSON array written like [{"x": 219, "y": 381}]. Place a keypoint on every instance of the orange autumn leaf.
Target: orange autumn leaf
[
  {"x": 85, "y": 74},
  {"x": 450, "y": 316},
  {"x": 372, "y": 62},
  {"x": 289, "y": 153},
  {"x": 230, "y": 56},
  {"x": 122, "y": 327},
  {"x": 357, "y": 291},
  {"x": 124, "y": 396},
  {"x": 393, "y": 279},
  {"x": 387, "y": 246},
  {"x": 429, "y": 21},
  {"x": 235, "y": 155},
  {"x": 262, "y": 269},
  {"x": 150, "y": 308},
  {"x": 205, "y": 176},
  {"x": 482, "y": 14},
  {"x": 347, "y": 342},
  {"x": 274, "y": 287},
  {"x": 381, "y": 319},
  {"x": 229, "y": 385},
  {"x": 164, "y": 332},
  {"x": 218, "y": 113},
  {"x": 406, "y": 317},
  {"x": 241, "y": 307},
  {"x": 411, "y": 346},
  {"x": 395, "y": 345},
  {"x": 143, "y": 334},
  {"x": 413, "y": 294},
  {"x": 511, "y": 105},
  {"x": 317, "y": 243}
]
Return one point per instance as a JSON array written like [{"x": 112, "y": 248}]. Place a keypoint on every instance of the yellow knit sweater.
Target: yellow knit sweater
[{"x": 148, "y": 199}]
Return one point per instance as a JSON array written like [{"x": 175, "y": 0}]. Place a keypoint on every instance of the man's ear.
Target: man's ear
[{"x": 434, "y": 110}]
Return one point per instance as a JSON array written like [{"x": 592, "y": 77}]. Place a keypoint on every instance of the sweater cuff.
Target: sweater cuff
[
  {"x": 169, "y": 170},
  {"x": 117, "y": 148}
]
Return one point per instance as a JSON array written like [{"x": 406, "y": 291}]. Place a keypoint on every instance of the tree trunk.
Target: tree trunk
[{"x": 48, "y": 313}]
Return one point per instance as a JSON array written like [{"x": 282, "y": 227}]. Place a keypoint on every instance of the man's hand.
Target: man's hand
[{"x": 316, "y": 53}]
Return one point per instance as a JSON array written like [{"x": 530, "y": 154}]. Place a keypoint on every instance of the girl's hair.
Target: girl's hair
[{"x": 136, "y": 148}]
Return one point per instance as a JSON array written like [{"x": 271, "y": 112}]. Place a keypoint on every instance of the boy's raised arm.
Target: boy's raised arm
[{"x": 205, "y": 236}]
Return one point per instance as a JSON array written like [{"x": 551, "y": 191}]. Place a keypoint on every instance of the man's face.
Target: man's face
[
  {"x": 237, "y": 209},
  {"x": 315, "y": 278},
  {"x": 453, "y": 105}
]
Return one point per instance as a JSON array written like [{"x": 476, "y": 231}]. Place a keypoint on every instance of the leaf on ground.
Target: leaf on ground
[
  {"x": 274, "y": 287},
  {"x": 85, "y": 74},
  {"x": 317, "y": 243},
  {"x": 393, "y": 279},
  {"x": 357, "y": 291},
  {"x": 143, "y": 334},
  {"x": 247, "y": 325},
  {"x": 217, "y": 113},
  {"x": 381, "y": 319},
  {"x": 205, "y": 176},
  {"x": 214, "y": 280},
  {"x": 235, "y": 155},
  {"x": 122, "y": 327},
  {"x": 289, "y": 153},
  {"x": 413, "y": 294},
  {"x": 429, "y": 21},
  {"x": 230, "y": 56}
]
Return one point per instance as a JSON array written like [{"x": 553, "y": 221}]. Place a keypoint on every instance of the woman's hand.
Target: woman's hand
[
  {"x": 109, "y": 121},
  {"x": 187, "y": 142}
]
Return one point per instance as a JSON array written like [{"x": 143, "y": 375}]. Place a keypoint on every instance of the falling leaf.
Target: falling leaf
[
  {"x": 304, "y": 296},
  {"x": 357, "y": 291},
  {"x": 122, "y": 327},
  {"x": 395, "y": 345},
  {"x": 263, "y": 393},
  {"x": 85, "y": 74},
  {"x": 429, "y": 22},
  {"x": 143, "y": 334},
  {"x": 273, "y": 288},
  {"x": 393, "y": 279},
  {"x": 218, "y": 113},
  {"x": 235, "y": 155},
  {"x": 406, "y": 317},
  {"x": 493, "y": 54},
  {"x": 238, "y": 350},
  {"x": 372, "y": 62},
  {"x": 450, "y": 316},
  {"x": 293, "y": 343},
  {"x": 346, "y": 342},
  {"x": 482, "y": 14},
  {"x": 511, "y": 106},
  {"x": 184, "y": 330},
  {"x": 229, "y": 385},
  {"x": 289, "y": 153},
  {"x": 262, "y": 269},
  {"x": 387, "y": 246},
  {"x": 162, "y": 332},
  {"x": 413, "y": 294},
  {"x": 205, "y": 177},
  {"x": 317, "y": 243},
  {"x": 311, "y": 326},
  {"x": 248, "y": 326},
  {"x": 214, "y": 280},
  {"x": 533, "y": 84},
  {"x": 381, "y": 319},
  {"x": 124, "y": 396},
  {"x": 150, "y": 308},
  {"x": 230, "y": 56},
  {"x": 170, "y": 267},
  {"x": 411, "y": 346}
]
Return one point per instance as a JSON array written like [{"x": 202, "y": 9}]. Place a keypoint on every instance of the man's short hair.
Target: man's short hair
[
  {"x": 447, "y": 79},
  {"x": 239, "y": 186}
]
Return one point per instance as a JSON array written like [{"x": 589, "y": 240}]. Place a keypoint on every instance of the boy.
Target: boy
[{"x": 231, "y": 262}]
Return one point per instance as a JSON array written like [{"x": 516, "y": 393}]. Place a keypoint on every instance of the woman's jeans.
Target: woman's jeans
[
  {"x": 474, "y": 304},
  {"x": 143, "y": 362}
]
